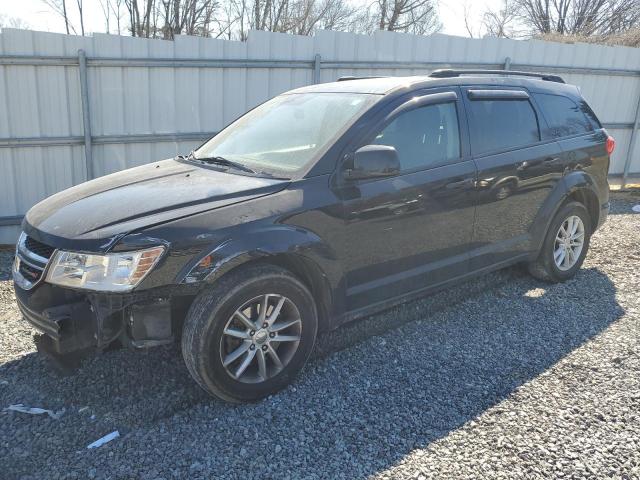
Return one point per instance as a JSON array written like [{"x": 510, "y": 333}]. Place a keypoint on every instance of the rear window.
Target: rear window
[
  {"x": 502, "y": 124},
  {"x": 564, "y": 116}
]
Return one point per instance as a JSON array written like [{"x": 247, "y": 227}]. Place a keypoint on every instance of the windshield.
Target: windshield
[{"x": 283, "y": 135}]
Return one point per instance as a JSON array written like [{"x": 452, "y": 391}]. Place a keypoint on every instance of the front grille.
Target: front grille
[
  {"x": 32, "y": 257},
  {"x": 38, "y": 248},
  {"x": 30, "y": 273}
]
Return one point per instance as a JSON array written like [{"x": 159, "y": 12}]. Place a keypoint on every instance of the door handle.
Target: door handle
[
  {"x": 467, "y": 182},
  {"x": 547, "y": 161}
]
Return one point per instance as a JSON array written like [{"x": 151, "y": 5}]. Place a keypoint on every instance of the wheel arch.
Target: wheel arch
[
  {"x": 506, "y": 180},
  {"x": 304, "y": 269},
  {"x": 298, "y": 251},
  {"x": 589, "y": 199},
  {"x": 576, "y": 186}
]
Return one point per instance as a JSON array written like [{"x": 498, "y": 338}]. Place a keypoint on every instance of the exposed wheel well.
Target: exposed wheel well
[
  {"x": 307, "y": 272},
  {"x": 590, "y": 201},
  {"x": 313, "y": 278}
]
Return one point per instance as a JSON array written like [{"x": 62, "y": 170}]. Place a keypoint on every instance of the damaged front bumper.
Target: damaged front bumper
[{"x": 77, "y": 321}]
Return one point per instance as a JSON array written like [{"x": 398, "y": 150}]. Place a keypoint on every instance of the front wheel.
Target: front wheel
[
  {"x": 565, "y": 245},
  {"x": 250, "y": 334}
]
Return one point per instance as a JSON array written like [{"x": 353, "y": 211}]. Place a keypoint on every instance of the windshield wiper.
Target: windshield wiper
[{"x": 221, "y": 161}]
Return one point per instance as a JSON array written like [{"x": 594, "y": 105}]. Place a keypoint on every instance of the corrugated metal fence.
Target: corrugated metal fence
[{"x": 73, "y": 108}]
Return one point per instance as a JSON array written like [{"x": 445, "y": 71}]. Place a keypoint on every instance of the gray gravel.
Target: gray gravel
[{"x": 501, "y": 377}]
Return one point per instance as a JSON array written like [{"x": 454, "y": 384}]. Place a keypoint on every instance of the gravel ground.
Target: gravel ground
[{"x": 501, "y": 377}]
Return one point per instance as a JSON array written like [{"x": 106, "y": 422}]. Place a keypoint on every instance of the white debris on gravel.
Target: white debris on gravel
[
  {"x": 106, "y": 439},
  {"x": 501, "y": 377},
  {"x": 636, "y": 208},
  {"x": 35, "y": 411}
]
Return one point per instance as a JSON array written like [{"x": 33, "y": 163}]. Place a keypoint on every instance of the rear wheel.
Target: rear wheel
[
  {"x": 565, "y": 245},
  {"x": 250, "y": 334}
]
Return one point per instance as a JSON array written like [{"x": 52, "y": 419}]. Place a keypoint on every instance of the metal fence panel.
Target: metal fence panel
[{"x": 151, "y": 99}]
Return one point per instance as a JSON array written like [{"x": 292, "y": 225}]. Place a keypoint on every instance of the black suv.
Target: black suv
[{"x": 322, "y": 205}]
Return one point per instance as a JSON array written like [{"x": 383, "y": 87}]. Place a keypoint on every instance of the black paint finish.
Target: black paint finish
[{"x": 359, "y": 244}]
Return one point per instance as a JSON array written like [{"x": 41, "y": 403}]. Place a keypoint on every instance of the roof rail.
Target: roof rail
[
  {"x": 350, "y": 77},
  {"x": 449, "y": 73}
]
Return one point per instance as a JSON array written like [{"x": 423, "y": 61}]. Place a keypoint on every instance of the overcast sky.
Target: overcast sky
[{"x": 39, "y": 17}]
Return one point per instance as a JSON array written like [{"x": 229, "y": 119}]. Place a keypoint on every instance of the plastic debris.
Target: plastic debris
[
  {"x": 4, "y": 382},
  {"x": 83, "y": 409},
  {"x": 105, "y": 439},
  {"x": 636, "y": 208},
  {"x": 35, "y": 410}
]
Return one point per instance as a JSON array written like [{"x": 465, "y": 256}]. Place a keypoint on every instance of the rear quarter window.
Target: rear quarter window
[
  {"x": 502, "y": 124},
  {"x": 564, "y": 116}
]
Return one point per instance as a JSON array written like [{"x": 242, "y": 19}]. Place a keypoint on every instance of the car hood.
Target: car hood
[{"x": 114, "y": 205}]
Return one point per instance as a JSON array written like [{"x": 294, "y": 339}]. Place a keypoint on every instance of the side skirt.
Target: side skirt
[{"x": 393, "y": 302}]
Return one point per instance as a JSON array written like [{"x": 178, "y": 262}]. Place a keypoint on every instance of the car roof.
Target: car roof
[
  {"x": 389, "y": 85},
  {"x": 374, "y": 85}
]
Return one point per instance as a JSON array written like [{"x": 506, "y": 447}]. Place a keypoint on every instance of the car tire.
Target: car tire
[
  {"x": 551, "y": 267},
  {"x": 216, "y": 329},
  {"x": 505, "y": 190}
]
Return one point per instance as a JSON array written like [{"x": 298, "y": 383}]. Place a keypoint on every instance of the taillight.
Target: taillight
[{"x": 611, "y": 144}]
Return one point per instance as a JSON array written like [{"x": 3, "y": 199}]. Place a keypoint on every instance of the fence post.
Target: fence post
[
  {"x": 632, "y": 144},
  {"x": 507, "y": 63},
  {"x": 316, "y": 68},
  {"x": 86, "y": 113}
]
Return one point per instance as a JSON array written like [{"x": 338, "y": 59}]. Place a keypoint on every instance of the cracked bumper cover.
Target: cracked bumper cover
[{"x": 73, "y": 321}]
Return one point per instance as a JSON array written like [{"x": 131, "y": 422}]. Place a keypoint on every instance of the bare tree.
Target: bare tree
[
  {"x": 116, "y": 8},
  {"x": 140, "y": 26},
  {"x": 467, "y": 12},
  {"x": 270, "y": 15},
  {"x": 233, "y": 21},
  {"x": 190, "y": 17},
  {"x": 80, "y": 12},
  {"x": 106, "y": 13},
  {"x": 333, "y": 15},
  {"x": 413, "y": 16},
  {"x": 234, "y": 18},
  {"x": 501, "y": 23},
  {"x": 60, "y": 7},
  {"x": 12, "y": 22},
  {"x": 303, "y": 17},
  {"x": 578, "y": 17}
]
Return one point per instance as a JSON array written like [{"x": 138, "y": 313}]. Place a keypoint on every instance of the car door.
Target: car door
[
  {"x": 517, "y": 170},
  {"x": 413, "y": 230}
]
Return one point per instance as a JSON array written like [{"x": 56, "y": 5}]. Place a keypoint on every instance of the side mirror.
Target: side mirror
[{"x": 374, "y": 161}]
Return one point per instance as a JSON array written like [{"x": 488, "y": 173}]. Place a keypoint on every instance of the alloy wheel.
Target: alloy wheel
[
  {"x": 569, "y": 243},
  {"x": 260, "y": 338}
]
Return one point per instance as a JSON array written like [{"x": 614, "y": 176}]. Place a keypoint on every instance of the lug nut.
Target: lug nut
[
  {"x": 252, "y": 333},
  {"x": 264, "y": 348},
  {"x": 265, "y": 325},
  {"x": 252, "y": 347},
  {"x": 272, "y": 334}
]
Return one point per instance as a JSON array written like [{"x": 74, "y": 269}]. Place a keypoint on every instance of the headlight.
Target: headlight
[{"x": 114, "y": 272}]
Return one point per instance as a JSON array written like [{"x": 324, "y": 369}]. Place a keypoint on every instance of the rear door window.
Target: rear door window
[
  {"x": 499, "y": 125},
  {"x": 564, "y": 116}
]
